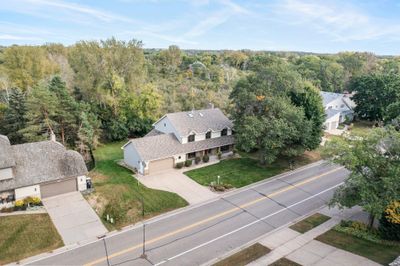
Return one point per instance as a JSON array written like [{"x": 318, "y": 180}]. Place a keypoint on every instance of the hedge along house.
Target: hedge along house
[
  {"x": 39, "y": 169},
  {"x": 178, "y": 137}
]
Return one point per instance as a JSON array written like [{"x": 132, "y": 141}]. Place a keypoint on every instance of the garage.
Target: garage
[
  {"x": 56, "y": 188},
  {"x": 161, "y": 165},
  {"x": 334, "y": 125}
]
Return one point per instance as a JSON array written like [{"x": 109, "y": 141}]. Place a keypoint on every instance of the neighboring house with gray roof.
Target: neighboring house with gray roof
[
  {"x": 39, "y": 169},
  {"x": 338, "y": 108},
  {"x": 177, "y": 137}
]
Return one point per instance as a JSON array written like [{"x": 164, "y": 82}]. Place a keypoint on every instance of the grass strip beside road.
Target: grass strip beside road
[
  {"x": 309, "y": 223},
  {"x": 284, "y": 262},
  {"x": 245, "y": 256},
  {"x": 378, "y": 252},
  {"x": 26, "y": 235},
  {"x": 214, "y": 217}
]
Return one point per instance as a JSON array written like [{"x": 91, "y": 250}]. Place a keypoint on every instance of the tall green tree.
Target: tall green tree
[
  {"x": 310, "y": 100},
  {"x": 374, "y": 94},
  {"x": 15, "y": 117},
  {"x": 374, "y": 164},
  {"x": 67, "y": 112},
  {"x": 265, "y": 119},
  {"x": 42, "y": 109}
]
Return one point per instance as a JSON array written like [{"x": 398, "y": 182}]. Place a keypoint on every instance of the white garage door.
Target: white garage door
[
  {"x": 334, "y": 125},
  {"x": 160, "y": 165}
]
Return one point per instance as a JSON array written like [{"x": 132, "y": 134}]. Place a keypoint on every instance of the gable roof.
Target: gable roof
[
  {"x": 166, "y": 145},
  {"x": 40, "y": 162},
  {"x": 331, "y": 113},
  {"x": 198, "y": 121},
  {"x": 328, "y": 97},
  {"x": 6, "y": 158}
]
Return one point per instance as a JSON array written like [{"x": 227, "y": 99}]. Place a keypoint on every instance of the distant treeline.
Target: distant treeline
[{"x": 112, "y": 89}]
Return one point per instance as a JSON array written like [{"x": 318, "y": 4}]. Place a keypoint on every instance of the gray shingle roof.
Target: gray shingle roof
[
  {"x": 199, "y": 121},
  {"x": 166, "y": 145},
  {"x": 328, "y": 97},
  {"x": 331, "y": 112},
  {"x": 6, "y": 158},
  {"x": 153, "y": 132},
  {"x": 40, "y": 162}
]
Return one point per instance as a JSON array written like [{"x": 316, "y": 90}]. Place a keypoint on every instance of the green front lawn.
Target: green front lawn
[
  {"x": 309, "y": 223},
  {"x": 118, "y": 193},
  {"x": 22, "y": 236},
  {"x": 243, "y": 171},
  {"x": 237, "y": 172},
  {"x": 245, "y": 256},
  {"x": 378, "y": 252},
  {"x": 361, "y": 128}
]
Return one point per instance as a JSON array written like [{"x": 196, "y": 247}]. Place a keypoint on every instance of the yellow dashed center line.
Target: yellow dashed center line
[{"x": 211, "y": 218}]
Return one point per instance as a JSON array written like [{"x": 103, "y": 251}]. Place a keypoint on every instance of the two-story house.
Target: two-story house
[
  {"x": 177, "y": 137},
  {"x": 338, "y": 108}
]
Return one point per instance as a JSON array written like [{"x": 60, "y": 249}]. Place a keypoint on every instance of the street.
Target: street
[{"x": 199, "y": 234}]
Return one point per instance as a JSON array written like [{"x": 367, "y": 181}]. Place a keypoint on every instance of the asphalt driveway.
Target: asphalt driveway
[
  {"x": 175, "y": 181},
  {"x": 73, "y": 217}
]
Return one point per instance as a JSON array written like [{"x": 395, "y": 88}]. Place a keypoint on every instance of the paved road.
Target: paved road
[{"x": 199, "y": 234}]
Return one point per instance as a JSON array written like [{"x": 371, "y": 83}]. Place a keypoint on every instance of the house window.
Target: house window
[
  {"x": 191, "y": 155},
  {"x": 224, "y": 132},
  {"x": 191, "y": 138},
  {"x": 225, "y": 148},
  {"x": 208, "y": 135}
]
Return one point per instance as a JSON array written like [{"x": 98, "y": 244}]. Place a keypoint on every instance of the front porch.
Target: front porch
[{"x": 227, "y": 149}]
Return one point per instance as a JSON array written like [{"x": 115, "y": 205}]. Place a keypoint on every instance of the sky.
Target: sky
[{"x": 324, "y": 26}]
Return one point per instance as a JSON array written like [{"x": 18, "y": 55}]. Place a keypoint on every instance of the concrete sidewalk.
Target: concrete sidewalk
[
  {"x": 303, "y": 249},
  {"x": 73, "y": 217}
]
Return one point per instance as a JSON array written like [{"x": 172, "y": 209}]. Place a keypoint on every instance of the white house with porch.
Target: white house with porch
[
  {"x": 339, "y": 107},
  {"x": 177, "y": 137}
]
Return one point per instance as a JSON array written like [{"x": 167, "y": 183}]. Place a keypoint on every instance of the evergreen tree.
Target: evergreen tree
[
  {"x": 15, "y": 117},
  {"x": 67, "y": 112},
  {"x": 42, "y": 108}
]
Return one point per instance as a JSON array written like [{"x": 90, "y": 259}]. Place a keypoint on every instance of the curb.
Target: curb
[{"x": 167, "y": 215}]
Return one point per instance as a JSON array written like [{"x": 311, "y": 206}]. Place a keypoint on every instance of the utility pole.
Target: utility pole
[{"x": 143, "y": 256}]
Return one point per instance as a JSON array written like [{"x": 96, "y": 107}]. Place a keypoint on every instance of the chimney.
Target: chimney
[{"x": 52, "y": 136}]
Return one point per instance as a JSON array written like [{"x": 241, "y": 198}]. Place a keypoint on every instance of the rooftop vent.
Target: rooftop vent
[
  {"x": 190, "y": 114},
  {"x": 200, "y": 114}
]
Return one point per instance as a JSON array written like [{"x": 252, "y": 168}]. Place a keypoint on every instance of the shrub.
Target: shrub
[
  {"x": 188, "y": 163},
  {"x": 234, "y": 151},
  {"x": 389, "y": 230},
  {"x": 179, "y": 165},
  {"x": 219, "y": 154},
  {"x": 197, "y": 160},
  {"x": 28, "y": 200},
  {"x": 206, "y": 158},
  {"x": 19, "y": 203},
  {"x": 36, "y": 201}
]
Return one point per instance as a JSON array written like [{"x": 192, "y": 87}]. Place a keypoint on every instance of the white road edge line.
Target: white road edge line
[
  {"x": 245, "y": 226},
  {"x": 161, "y": 217}
]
